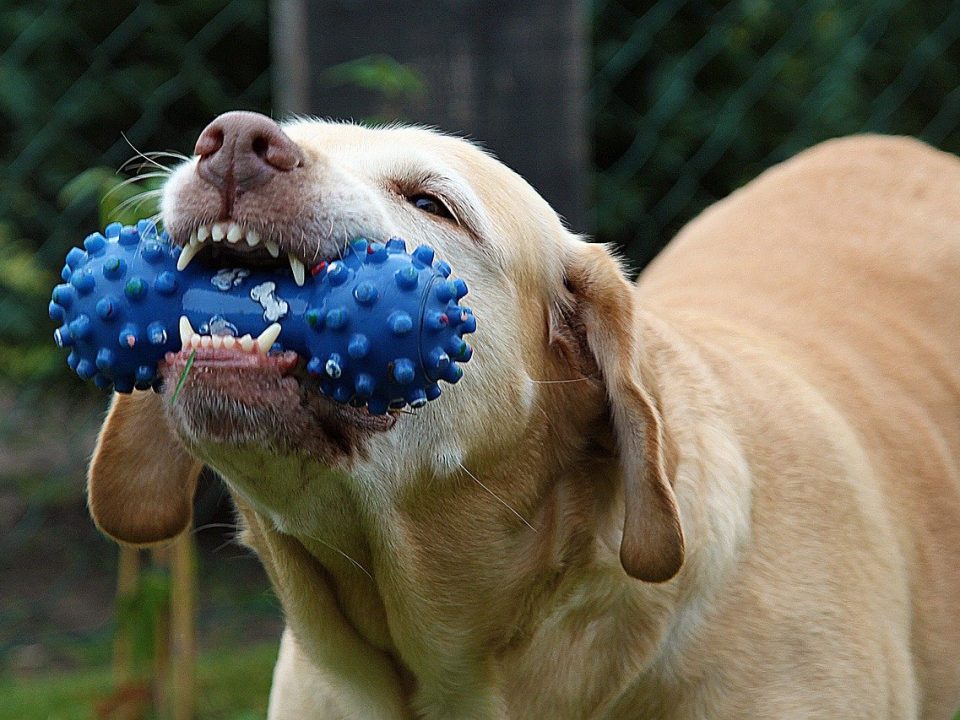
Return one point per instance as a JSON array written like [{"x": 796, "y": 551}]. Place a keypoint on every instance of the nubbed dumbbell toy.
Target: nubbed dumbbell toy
[{"x": 380, "y": 327}]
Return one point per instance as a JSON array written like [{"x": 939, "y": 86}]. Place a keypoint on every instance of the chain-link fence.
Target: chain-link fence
[
  {"x": 83, "y": 88},
  {"x": 689, "y": 100},
  {"x": 693, "y": 98}
]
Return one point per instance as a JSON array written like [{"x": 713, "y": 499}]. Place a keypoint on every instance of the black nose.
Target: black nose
[{"x": 241, "y": 150}]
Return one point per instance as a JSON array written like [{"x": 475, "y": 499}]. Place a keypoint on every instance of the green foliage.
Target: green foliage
[
  {"x": 78, "y": 78},
  {"x": 398, "y": 85},
  {"x": 24, "y": 292},
  {"x": 380, "y": 73},
  {"x": 123, "y": 201},
  {"x": 692, "y": 99},
  {"x": 28, "y": 356},
  {"x": 140, "y": 614},
  {"x": 81, "y": 84}
]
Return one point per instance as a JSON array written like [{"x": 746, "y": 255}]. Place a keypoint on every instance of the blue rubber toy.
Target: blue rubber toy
[{"x": 379, "y": 327}]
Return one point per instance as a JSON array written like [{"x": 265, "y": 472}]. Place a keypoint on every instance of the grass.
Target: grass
[{"x": 232, "y": 684}]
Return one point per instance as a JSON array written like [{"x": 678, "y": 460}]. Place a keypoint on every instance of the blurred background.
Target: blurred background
[{"x": 630, "y": 117}]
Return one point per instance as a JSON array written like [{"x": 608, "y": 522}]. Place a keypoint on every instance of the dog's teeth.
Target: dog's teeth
[
  {"x": 268, "y": 337},
  {"x": 247, "y": 343},
  {"x": 252, "y": 238},
  {"x": 234, "y": 233},
  {"x": 229, "y": 341},
  {"x": 186, "y": 255},
  {"x": 186, "y": 331},
  {"x": 195, "y": 341},
  {"x": 272, "y": 248},
  {"x": 206, "y": 341},
  {"x": 194, "y": 240},
  {"x": 299, "y": 271},
  {"x": 203, "y": 232},
  {"x": 217, "y": 232},
  {"x": 217, "y": 341}
]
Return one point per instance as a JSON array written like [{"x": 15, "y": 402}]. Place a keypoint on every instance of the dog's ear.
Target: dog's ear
[
  {"x": 601, "y": 301},
  {"x": 141, "y": 480}
]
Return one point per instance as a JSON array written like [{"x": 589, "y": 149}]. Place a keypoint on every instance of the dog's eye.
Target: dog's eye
[{"x": 430, "y": 204}]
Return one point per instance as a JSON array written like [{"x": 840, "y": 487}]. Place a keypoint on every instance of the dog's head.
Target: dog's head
[{"x": 555, "y": 365}]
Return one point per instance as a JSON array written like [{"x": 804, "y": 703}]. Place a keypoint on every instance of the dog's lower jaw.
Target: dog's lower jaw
[{"x": 264, "y": 408}]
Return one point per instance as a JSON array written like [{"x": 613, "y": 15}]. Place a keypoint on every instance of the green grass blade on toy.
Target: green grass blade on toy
[{"x": 183, "y": 377}]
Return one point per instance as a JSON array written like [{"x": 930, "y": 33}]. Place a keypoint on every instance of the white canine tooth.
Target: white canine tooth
[
  {"x": 186, "y": 331},
  {"x": 195, "y": 341},
  {"x": 252, "y": 238},
  {"x": 268, "y": 337},
  {"x": 186, "y": 255},
  {"x": 247, "y": 342},
  {"x": 217, "y": 232},
  {"x": 206, "y": 341},
  {"x": 194, "y": 240},
  {"x": 229, "y": 341},
  {"x": 299, "y": 271},
  {"x": 272, "y": 248},
  {"x": 234, "y": 233},
  {"x": 203, "y": 232}
]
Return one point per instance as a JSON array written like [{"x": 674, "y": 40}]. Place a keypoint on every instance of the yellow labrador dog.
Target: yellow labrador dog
[{"x": 731, "y": 490}]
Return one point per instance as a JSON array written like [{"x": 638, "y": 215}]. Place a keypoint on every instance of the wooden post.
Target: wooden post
[
  {"x": 128, "y": 572},
  {"x": 161, "y": 650},
  {"x": 171, "y": 686},
  {"x": 182, "y": 634}
]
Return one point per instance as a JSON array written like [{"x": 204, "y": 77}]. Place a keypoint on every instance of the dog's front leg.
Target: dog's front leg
[
  {"x": 325, "y": 670},
  {"x": 303, "y": 691},
  {"x": 299, "y": 689}
]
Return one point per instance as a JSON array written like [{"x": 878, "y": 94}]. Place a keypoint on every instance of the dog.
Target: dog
[{"x": 730, "y": 490}]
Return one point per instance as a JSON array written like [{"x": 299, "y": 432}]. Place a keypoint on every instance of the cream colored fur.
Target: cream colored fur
[{"x": 730, "y": 491}]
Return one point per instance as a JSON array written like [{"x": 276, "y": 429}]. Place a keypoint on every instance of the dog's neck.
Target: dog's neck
[{"x": 472, "y": 603}]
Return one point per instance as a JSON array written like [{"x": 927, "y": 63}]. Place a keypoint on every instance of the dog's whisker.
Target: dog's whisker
[
  {"x": 360, "y": 567},
  {"x": 559, "y": 382},
  {"x": 139, "y": 199},
  {"x": 222, "y": 545},
  {"x": 146, "y": 176},
  {"x": 145, "y": 157},
  {"x": 136, "y": 178},
  {"x": 211, "y": 526},
  {"x": 497, "y": 497},
  {"x": 142, "y": 166},
  {"x": 167, "y": 153}
]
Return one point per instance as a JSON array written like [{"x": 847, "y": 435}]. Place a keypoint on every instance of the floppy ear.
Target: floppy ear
[
  {"x": 141, "y": 480},
  {"x": 652, "y": 548}
]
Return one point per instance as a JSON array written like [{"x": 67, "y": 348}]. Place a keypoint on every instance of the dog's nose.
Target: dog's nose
[{"x": 241, "y": 150}]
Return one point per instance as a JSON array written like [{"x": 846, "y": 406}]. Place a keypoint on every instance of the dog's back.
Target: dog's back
[{"x": 844, "y": 264}]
